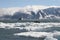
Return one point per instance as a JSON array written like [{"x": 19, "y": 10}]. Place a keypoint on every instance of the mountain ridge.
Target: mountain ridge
[{"x": 31, "y": 12}]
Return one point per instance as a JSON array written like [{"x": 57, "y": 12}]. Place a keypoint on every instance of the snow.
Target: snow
[
  {"x": 49, "y": 31},
  {"x": 16, "y": 11}
]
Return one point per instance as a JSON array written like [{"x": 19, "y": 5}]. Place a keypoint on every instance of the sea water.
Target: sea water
[{"x": 29, "y": 31}]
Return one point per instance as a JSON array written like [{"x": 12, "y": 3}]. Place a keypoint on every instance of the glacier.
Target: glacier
[
  {"x": 44, "y": 30},
  {"x": 41, "y": 13}
]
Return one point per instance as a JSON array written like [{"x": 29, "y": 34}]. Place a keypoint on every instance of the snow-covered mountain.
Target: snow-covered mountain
[{"x": 31, "y": 12}]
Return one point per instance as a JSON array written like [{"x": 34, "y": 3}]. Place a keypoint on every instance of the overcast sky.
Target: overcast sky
[{"x": 22, "y": 3}]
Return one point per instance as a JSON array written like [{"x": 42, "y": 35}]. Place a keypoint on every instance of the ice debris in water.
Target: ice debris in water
[{"x": 50, "y": 38}]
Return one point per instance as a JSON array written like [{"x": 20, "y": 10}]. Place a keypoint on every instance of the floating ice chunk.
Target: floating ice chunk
[
  {"x": 50, "y": 38},
  {"x": 33, "y": 34}
]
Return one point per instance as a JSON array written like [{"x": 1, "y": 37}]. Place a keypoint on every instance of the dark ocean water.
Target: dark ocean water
[
  {"x": 7, "y": 34},
  {"x": 29, "y": 31}
]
